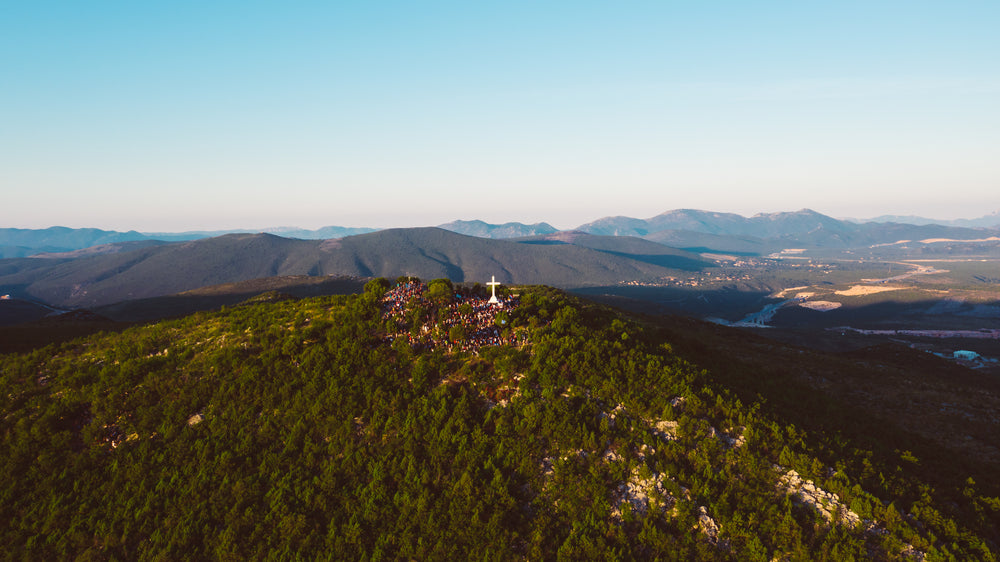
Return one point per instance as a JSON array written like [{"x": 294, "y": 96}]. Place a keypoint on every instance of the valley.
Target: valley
[{"x": 935, "y": 306}]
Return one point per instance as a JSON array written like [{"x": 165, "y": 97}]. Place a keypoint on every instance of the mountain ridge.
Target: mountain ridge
[
  {"x": 991, "y": 220},
  {"x": 483, "y": 229},
  {"x": 24, "y": 242},
  {"x": 426, "y": 252},
  {"x": 730, "y": 230},
  {"x": 711, "y": 231}
]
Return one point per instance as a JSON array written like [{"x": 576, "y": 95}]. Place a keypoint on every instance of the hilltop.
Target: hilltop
[{"x": 305, "y": 428}]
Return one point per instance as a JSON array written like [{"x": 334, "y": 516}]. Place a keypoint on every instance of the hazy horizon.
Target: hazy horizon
[
  {"x": 276, "y": 227},
  {"x": 192, "y": 116}
]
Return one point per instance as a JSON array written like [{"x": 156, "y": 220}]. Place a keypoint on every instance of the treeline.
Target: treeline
[{"x": 289, "y": 429}]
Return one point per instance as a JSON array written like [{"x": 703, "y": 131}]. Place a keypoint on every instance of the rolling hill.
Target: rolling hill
[
  {"x": 703, "y": 242},
  {"x": 22, "y": 242},
  {"x": 767, "y": 225},
  {"x": 17, "y": 311},
  {"x": 684, "y": 228},
  {"x": 506, "y": 230},
  {"x": 726, "y": 232},
  {"x": 991, "y": 220},
  {"x": 310, "y": 429},
  {"x": 624, "y": 246},
  {"x": 423, "y": 252},
  {"x": 228, "y": 294}
]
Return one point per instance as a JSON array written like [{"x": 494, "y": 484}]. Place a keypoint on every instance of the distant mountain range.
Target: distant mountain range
[
  {"x": 804, "y": 223},
  {"x": 682, "y": 228},
  {"x": 164, "y": 269},
  {"x": 705, "y": 231},
  {"x": 506, "y": 230},
  {"x": 726, "y": 224},
  {"x": 991, "y": 220},
  {"x": 20, "y": 242},
  {"x": 65, "y": 272}
]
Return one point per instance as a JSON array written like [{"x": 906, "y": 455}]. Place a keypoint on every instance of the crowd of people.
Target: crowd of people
[
  {"x": 397, "y": 299},
  {"x": 465, "y": 321}
]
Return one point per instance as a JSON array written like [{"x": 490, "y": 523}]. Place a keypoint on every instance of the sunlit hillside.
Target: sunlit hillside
[{"x": 420, "y": 421}]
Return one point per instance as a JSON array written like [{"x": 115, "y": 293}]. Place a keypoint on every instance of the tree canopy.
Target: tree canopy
[{"x": 294, "y": 429}]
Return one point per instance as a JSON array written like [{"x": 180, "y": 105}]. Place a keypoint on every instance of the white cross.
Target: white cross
[{"x": 493, "y": 288}]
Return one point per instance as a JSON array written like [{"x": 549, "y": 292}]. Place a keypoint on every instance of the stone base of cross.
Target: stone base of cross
[{"x": 493, "y": 290}]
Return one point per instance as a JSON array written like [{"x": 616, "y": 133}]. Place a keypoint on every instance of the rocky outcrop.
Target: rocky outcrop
[{"x": 827, "y": 504}]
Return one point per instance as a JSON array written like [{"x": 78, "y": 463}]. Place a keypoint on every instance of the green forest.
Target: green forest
[{"x": 291, "y": 429}]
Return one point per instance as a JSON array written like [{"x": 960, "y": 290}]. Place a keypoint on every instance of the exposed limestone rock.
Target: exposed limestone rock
[
  {"x": 619, "y": 409},
  {"x": 666, "y": 429},
  {"x": 611, "y": 456},
  {"x": 734, "y": 439},
  {"x": 548, "y": 463},
  {"x": 195, "y": 419},
  {"x": 827, "y": 504},
  {"x": 644, "y": 489},
  {"x": 547, "y": 466},
  {"x": 911, "y": 553},
  {"x": 506, "y": 392},
  {"x": 707, "y": 525},
  {"x": 639, "y": 491},
  {"x": 612, "y": 416}
]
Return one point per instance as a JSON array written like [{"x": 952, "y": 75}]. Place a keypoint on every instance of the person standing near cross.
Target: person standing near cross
[{"x": 493, "y": 290}]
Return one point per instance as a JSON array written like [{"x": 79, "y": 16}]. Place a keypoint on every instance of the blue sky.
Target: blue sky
[{"x": 209, "y": 115}]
